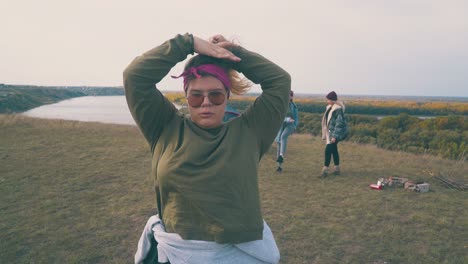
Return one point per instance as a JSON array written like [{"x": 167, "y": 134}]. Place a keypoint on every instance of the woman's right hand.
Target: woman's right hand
[{"x": 216, "y": 50}]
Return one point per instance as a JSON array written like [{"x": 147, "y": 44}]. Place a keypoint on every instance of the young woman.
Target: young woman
[
  {"x": 288, "y": 127},
  {"x": 205, "y": 170},
  {"x": 333, "y": 129}
]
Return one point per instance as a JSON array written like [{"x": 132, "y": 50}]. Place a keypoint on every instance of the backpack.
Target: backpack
[{"x": 345, "y": 127}]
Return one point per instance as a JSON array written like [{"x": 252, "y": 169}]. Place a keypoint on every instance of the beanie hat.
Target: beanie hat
[{"x": 332, "y": 96}]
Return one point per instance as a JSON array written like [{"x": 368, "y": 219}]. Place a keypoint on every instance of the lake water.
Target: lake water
[{"x": 104, "y": 109}]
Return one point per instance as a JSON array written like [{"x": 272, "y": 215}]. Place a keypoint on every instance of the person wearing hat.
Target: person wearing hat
[
  {"x": 333, "y": 131},
  {"x": 289, "y": 126}
]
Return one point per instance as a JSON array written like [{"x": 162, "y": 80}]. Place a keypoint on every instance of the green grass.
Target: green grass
[{"x": 75, "y": 192}]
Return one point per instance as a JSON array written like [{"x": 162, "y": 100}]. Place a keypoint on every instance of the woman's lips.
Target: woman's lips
[{"x": 206, "y": 114}]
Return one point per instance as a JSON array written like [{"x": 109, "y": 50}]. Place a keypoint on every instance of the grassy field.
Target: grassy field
[{"x": 75, "y": 192}]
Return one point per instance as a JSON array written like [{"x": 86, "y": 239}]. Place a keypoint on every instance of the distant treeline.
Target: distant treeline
[
  {"x": 362, "y": 107},
  {"x": 445, "y": 136},
  {"x": 376, "y": 107},
  {"x": 391, "y": 107},
  {"x": 20, "y": 98}
]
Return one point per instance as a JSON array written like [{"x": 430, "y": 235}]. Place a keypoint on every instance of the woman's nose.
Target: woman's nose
[{"x": 206, "y": 101}]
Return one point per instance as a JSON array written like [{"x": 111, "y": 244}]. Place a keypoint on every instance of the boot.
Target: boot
[
  {"x": 280, "y": 159},
  {"x": 324, "y": 172},
  {"x": 280, "y": 162},
  {"x": 337, "y": 170}
]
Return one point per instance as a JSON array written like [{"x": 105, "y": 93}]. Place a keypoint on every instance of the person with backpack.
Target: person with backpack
[{"x": 334, "y": 130}]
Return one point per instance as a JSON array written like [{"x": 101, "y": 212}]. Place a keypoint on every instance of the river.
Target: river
[{"x": 104, "y": 109}]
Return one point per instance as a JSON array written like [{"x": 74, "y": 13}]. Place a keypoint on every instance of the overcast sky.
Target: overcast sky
[{"x": 375, "y": 47}]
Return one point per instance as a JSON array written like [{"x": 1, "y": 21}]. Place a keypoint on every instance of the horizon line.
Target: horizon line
[{"x": 295, "y": 93}]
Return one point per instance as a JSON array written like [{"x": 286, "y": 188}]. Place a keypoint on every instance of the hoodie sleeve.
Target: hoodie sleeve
[
  {"x": 268, "y": 111},
  {"x": 150, "y": 109}
]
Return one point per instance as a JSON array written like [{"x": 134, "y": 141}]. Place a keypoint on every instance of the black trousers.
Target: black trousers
[{"x": 332, "y": 149}]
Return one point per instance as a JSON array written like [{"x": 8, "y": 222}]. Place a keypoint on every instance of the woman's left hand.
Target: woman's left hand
[
  {"x": 221, "y": 41},
  {"x": 211, "y": 49}
]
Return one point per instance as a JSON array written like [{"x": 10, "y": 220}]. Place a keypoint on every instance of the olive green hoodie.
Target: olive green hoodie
[{"x": 206, "y": 179}]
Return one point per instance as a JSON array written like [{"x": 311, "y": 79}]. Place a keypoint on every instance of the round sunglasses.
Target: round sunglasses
[{"x": 195, "y": 99}]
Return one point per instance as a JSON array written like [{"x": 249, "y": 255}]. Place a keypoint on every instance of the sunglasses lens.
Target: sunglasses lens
[
  {"x": 216, "y": 98},
  {"x": 195, "y": 100}
]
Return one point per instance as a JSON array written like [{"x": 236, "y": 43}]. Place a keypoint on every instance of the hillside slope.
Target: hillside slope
[
  {"x": 20, "y": 98},
  {"x": 74, "y": 192}
]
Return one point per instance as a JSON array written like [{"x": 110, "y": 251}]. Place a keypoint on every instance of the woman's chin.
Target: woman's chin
[{"x": 207, "y": 123}]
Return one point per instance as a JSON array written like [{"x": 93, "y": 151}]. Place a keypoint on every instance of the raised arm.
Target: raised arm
[
  {"x": 150, "y": 109},
  {"x": 267, "y": 113}
]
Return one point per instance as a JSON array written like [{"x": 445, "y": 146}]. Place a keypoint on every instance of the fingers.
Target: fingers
[
  {"x": 217, "y": 39},
  {"x": 213, "y": 40},
  {"x": 221, "y": 41},
  {"x": 226, "y": 54},
  {"x": 226, "y": 44},
  {"x": 218, "y": 51}
]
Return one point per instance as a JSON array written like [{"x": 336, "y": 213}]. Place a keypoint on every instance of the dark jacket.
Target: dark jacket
[{"x": 333, "y": 123}]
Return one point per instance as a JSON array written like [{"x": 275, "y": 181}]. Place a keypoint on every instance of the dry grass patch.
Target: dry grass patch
[{"x": 74, "y": 192}]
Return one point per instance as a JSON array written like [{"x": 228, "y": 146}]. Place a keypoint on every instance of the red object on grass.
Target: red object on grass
[{"x": 376, "y": 187}]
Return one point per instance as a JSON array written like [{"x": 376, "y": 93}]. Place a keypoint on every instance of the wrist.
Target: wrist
[{"x": 191, "y": 43}]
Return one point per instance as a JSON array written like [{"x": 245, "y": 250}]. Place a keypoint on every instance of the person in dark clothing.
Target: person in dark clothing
[{"x": 333, "y": 130}]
